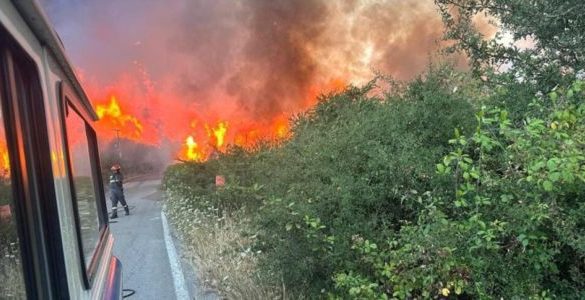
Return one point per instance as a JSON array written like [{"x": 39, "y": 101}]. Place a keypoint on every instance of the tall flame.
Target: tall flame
[
  {"x": 201, "y": 134},
  {"x": 216, "y": 141},
  {"x": 217, "y": 133},
  {"x": 113, "y": 118},
  {"x": 192, "y": 150},
  {"x": 214, "y": 137}
]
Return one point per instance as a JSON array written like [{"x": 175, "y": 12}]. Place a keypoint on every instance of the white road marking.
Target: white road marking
[{"x": 176, "y": 270}]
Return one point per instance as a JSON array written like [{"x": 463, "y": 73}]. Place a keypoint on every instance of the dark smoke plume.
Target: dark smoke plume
[{"x": 245, "y": 61}]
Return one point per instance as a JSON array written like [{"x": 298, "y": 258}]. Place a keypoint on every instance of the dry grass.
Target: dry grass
[{"x": 220, "y": 248}]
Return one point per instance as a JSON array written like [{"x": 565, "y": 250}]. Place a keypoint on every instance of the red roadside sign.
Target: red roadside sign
[
  {"x": 5, "y": 213},
  {"x": 219, "y": 180}
]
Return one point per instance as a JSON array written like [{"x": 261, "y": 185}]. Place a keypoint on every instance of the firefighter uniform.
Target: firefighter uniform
[{"x": 117, "y": 191}]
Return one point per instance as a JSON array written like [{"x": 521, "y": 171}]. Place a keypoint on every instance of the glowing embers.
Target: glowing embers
[{"x": 112, "y": 117}]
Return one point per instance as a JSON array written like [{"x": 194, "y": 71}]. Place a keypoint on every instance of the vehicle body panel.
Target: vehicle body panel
[{"x": 27, "y": 24}]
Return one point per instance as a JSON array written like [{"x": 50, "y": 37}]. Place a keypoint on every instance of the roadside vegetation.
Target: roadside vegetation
[{"x": 454, "y": 185}]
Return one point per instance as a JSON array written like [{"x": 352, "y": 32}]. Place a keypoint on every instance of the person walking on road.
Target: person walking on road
[{"x": 117, "y": 191}]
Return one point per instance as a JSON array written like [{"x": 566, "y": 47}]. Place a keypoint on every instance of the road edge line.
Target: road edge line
[{"x": 176, "y": 269}]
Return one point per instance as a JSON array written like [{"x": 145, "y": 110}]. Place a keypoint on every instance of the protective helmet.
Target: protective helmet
[{"x": 115, "y": 167}]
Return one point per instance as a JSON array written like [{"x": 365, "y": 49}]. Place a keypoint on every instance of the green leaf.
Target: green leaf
[
  {"x": 551, "y": 164},
  {"x": 554, "y": 177},
  {"x": 458, "y": 290},
  {"x": 474, "y": 174},
  {"x": 537, "y": 166},
  {"x": 553, "y": 96},
  {"x": 547, "y": 185},
  {"x": 577, "y": 86}
]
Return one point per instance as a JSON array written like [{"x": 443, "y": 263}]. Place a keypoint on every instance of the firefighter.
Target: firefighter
[{"x": 117, "y": 191}]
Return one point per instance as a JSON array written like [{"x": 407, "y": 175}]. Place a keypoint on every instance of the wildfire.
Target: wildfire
[
  {"x": 281, "y": 129},
  {"x": 201, "y": 133},
  {"x": 216, "y": 141},
  {"x": 112, "y": 118},
  {"x": 218, "y": 136},
  {"x": 213, "y": 88},
  {"x": 248, "y": 137},
  {"x": 218, "y": 133},
  {"x": 192, "y": 151},
  {"x": 214, "y": 137}
]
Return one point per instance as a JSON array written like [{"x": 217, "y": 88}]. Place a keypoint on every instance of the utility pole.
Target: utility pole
[{"x": 117, "y": 145}]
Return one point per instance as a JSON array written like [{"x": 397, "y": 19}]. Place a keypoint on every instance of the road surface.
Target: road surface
[{"x": 150, "y": 264}]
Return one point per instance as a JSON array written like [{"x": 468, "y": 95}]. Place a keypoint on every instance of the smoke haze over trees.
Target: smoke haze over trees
[{"x": 243, "y": 61}]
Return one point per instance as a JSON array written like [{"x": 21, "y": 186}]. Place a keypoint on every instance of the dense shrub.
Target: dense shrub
[
  {"x": 513, "y": 224},
  {"x": 377, "y": 198},
  {"x": 343, "y": 174}
]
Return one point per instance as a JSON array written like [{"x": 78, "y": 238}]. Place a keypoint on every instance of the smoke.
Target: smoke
[
  {"x": 136, "y": 158},
  {"x": 250, "y": 62}
]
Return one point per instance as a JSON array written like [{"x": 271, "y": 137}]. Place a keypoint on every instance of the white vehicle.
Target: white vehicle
[{"x": 55, "y": 242}]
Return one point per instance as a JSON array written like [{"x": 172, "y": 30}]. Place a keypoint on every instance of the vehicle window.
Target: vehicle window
[
  {"x": 83, "y": 183},
  {"x": 11, "y": 271}
]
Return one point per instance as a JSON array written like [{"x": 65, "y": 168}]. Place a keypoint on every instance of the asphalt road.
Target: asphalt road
[{"x": 142, "y": 246}]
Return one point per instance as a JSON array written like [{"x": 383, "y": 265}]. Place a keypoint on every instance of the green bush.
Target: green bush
[
  {"x": 379, "y": 197},
  {"x": 513, "y": 225},
  {"x": 343, "y": 173}
]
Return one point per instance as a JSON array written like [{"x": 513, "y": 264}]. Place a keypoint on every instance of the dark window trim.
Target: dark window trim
[
  {"x": 98, "y": 180},
  {"x": 25, "y": 225},
  {"x": 67, "y": 102},
  {"x": 29, "y": 151}
]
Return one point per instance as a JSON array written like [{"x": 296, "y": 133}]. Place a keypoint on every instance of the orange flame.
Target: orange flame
[
  {"x": 219, "y": 133},
  {"x": 218, "y": 137},
  {"x": 112, "y": 117},
  {"x": 201, "y": 133},
  {"x": 281, "y": 129},
  {"x": 215, "y": 134},
  {"x": 245, "y": 135},
  {"x": 192, "y": 150}
]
